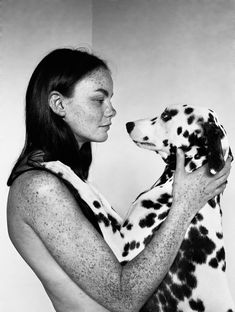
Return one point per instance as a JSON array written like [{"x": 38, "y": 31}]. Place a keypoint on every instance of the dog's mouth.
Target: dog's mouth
[{"x": 144, "y": 143}]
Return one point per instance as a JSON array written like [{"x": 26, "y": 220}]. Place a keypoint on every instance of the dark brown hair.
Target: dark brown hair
[{"x": 59, "y": 71}]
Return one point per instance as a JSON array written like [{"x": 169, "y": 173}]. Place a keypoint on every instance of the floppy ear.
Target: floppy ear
[{"x": 215, "y": 156}]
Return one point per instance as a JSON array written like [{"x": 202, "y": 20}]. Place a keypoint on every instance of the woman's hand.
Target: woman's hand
[{"x": 193, "y": 190}]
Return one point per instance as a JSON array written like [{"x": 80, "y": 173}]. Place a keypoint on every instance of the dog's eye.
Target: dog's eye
[{"x": 165, "y": 116}]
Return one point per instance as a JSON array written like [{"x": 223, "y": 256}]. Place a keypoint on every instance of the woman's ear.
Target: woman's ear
[
  {"x": 56, "y": 103},
  {"x": 215, "y": 156}
]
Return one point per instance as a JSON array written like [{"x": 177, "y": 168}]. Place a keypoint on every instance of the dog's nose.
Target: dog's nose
[{"x": 130, "y": 126}]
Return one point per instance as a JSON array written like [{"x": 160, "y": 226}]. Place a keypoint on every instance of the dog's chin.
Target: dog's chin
[
  {"x": 163, "y": 154},
  {"x": 146, "y": 145}
]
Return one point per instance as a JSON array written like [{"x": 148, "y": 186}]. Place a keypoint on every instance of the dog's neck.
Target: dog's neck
[{"x": 195, "y": 157}]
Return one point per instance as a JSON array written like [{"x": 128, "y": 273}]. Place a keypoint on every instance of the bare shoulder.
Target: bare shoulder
[{"x": 35, "y": 189}]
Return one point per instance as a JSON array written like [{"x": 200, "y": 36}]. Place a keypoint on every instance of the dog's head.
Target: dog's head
[{"x": 196, "y": 130}]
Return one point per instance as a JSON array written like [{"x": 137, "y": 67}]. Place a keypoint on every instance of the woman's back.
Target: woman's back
[{"x": 65, "y": 295}]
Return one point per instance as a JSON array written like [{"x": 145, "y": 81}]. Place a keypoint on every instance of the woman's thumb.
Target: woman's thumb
[{"x": 179, "y": 161}]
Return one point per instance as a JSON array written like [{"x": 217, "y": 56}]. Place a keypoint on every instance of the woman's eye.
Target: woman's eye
[{"x": 99, "y": 100}]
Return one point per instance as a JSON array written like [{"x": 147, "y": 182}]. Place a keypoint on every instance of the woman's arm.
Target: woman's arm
[{"x": 50, "y": 210}]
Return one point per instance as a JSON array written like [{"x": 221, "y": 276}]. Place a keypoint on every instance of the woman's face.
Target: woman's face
[{"x": 89, "y": 111}]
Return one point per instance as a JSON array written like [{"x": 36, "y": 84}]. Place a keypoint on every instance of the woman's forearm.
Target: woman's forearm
[{"x": 141, "y": 276}]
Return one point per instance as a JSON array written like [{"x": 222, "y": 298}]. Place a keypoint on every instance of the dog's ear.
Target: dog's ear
[{"x": 215, "y": 157}]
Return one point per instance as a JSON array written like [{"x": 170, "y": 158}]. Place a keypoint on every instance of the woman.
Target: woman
[{"x": 68, "y": 106}]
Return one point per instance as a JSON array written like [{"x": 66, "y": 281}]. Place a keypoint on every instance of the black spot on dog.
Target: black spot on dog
[
  {"x": 114, "y": 223},
  {"x": 127, "y": 246},
  {"x": 171, "y": 159},
  {"x": 145, "y": 138},
  {"x": 212, "y": 203},
  {"x": 123, "y": 263},
  {"x": 168, "y": 114},
  {"x": 199, "y": 216},
  {"x": 188, "y": 110},
  {"x": 154, "y": 119},
  {"x": 165, "y": 142},
  {"x": 191, "y": 119},
  {"x": 101, "y": 218},
  {"x": 197, "y": 246},
  {"x": 125, "y": 223},
  {"x": 203, "y": 230},
  {"x": 197, "y": 305},
  {"x": 157, "y": 206},
  {"x": 189, "y": 278},
  {"x": 179, "y": 130},
  {"x": 219, "y": 235},
  {"x": 163, "y": 215},
  {"x": 177, "y": 291},
  {"x": 96, "y": 204},
  {"x": 125, "y": 253},
  {"x": 173, "y": 112},
  {"x": 164, "y": 198},
  {"x": 213, "y": 263},
  {"x": 148, "y": 220},
  {"x": 129, "y": 226},
  {"x": 186, "y": 133},
  {"x": 132, "y": 245},
  {"x": 185, "y": 148},
  {"x": 147, "y": 203},
  {"x": 220, "y": 254}
]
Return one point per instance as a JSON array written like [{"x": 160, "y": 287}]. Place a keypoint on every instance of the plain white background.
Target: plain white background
[
  {"x": 31, "y": 28},
  {"x": 160, "y": 52}
]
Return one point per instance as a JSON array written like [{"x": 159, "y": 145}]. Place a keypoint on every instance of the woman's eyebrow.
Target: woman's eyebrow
[{"x": 105, "y": 92}]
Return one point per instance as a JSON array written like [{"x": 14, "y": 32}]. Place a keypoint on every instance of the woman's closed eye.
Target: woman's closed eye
[{"x": 99, "y": 100}]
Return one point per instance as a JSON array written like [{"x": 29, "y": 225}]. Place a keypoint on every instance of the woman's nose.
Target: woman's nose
[{"x": 110, "y": 111}]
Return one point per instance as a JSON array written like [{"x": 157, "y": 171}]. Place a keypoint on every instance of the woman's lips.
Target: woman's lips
[{"x": 108, "y": 125}]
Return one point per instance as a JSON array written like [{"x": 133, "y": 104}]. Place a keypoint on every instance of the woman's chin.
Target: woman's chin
[{"x": 101, "y": 139}]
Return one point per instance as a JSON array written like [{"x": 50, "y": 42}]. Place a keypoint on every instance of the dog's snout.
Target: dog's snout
[{"x": 130, "y": 126}]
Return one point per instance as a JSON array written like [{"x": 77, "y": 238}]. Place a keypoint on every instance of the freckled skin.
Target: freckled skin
[
  {"x": 79, "y": 265},
  {"x": 73, "y": 262},
  {"x": 89, "y": 112}
]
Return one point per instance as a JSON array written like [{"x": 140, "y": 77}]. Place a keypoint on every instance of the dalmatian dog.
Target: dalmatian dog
[{"x": 196, "y": 280}]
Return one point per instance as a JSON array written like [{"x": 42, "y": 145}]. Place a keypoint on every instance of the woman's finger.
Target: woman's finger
[
  {"x": 220, "y": 189},
  {"x": 226, "y": 169},
  {"x": 179, "y": 162}
]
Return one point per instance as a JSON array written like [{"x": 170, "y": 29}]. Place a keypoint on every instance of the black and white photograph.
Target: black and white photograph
[{"x": 117, "y": 146}]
